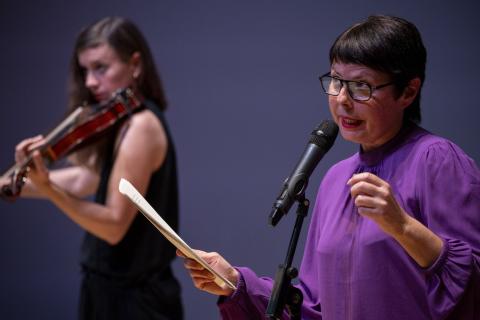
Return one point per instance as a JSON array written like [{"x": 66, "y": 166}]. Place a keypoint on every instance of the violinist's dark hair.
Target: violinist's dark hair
[
  {"x": 126, "y": 39},
  {"x": 389, "y": 44}
]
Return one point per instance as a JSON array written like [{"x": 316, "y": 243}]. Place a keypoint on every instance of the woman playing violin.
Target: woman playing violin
[{"x": 125, "y": 261}]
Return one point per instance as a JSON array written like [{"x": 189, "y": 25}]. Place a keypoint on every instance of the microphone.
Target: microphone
[{"x": 321, "y": 140}]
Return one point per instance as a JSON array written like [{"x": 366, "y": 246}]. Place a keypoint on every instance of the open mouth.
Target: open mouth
[{"x": 350, "y": 123}]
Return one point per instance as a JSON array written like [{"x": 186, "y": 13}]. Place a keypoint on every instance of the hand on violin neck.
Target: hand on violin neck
[
  {"x": 37, "y": 172},
  {"x": 25, "y": 147}
]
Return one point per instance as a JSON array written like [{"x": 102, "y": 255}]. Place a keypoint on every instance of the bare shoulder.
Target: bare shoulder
[
  {"x": 145, "y": 137},
  {"x": 146, "y": 125},
  {"x": 147, "y": 120}
]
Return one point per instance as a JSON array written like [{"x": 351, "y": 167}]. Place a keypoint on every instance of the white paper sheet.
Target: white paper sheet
[{"x": 127, "y": 189}]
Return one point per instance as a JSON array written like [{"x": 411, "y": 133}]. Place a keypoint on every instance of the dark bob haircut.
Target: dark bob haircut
[{"x": 388, "y": 44}]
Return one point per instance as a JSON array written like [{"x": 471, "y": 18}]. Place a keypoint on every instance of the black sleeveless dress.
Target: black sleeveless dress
[{"x": 133, "y": 279}]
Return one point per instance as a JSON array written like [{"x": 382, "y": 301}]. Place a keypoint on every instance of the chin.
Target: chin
[{"x": 350, "y": 136}]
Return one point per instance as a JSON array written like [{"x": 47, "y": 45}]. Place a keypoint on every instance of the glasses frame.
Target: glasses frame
[{"x": 344, "y": 82}]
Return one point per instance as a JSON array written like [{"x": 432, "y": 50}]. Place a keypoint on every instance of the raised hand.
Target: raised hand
[{"x": 374, "y": 199}]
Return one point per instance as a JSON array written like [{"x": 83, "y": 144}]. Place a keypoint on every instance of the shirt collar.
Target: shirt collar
[{"x": 373, "y": 157}]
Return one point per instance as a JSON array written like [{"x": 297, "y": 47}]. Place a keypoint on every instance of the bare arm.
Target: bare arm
[
  {"x": 77, "y": 181},
  {"x": 140, "y": 153}
]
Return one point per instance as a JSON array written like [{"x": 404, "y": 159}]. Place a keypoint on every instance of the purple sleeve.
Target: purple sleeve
[
  {"x": 449, "y": 200},
  {"x": 251, "y": 298}
]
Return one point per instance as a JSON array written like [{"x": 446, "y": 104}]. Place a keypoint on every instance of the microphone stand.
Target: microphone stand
[{"x": 283, "y": 293}]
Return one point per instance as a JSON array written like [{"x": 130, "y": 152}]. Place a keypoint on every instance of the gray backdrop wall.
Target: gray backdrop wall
[{"x": 241, "y": 80}]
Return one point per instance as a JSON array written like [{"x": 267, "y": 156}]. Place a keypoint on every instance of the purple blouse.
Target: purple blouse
[{"x": 351, "y": 269}]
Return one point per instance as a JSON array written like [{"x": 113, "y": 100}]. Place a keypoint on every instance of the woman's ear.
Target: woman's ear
[
  {"x": 410, "y": 91},
  {"x": 136, "y": 64}
]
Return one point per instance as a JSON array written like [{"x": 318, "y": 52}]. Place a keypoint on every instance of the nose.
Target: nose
[
  {"x": 90, "y": 80},
  {"x": 344, "y": 97}
]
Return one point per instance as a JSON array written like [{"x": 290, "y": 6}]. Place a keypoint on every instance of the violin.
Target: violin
[{"x": 79, "y": 128}]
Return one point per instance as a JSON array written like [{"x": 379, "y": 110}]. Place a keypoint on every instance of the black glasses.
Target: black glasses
[{"x": 358, "y": 90}]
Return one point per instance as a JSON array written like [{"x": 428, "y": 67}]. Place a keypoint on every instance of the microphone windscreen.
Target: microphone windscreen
[{"x": 324, "y": 134}]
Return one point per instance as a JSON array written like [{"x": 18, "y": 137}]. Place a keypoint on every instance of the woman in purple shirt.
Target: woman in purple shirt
[{"x": 395, "y": 232}]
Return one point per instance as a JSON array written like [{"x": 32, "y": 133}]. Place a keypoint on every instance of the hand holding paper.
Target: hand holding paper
[{"x": 127, "y": 189}]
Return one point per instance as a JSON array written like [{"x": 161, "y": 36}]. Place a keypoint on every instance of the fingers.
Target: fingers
[
  {"x": 368, "y": 204},
  {"x": 363, "y": 188},
  {"x": 206, "y": 285},
  {"x": 30, "y": 146},
  {"x": 366, "y": 183},
  {"x": 366, "y": 177},
  {"x": 195, "y": 268},
  {"x": 200, "y": 273},
  {"x": 39, "y": 165},
  {"x": 24, "y": 147},
  {"x": 37, "y": 172},
  {"x": 370, "y": 193},
  {"x": 202, "y": 278},
  {"x": 191, "y": 264},
  {"x": 200, "y": 253},
  {"x": 180, "y": 254}
]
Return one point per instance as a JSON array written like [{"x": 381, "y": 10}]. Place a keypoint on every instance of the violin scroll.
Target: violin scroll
[{"x": 11, "y": 191}]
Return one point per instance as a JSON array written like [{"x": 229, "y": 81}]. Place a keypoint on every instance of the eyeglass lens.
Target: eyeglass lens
[{"x": 357, "y": 90}]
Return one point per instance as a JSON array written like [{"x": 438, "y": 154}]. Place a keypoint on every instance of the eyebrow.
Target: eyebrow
[
  {"x": 360, "y": 78},
  {"x": 333, "y": 71}
]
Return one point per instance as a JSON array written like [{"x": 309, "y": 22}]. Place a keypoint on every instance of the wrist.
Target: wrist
[
  {"x": 44, "y": 187},
  {"x": 399, "y": 227},
  {"x": 232, "y": 276},
  {"x": 419, "y": 242}
]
